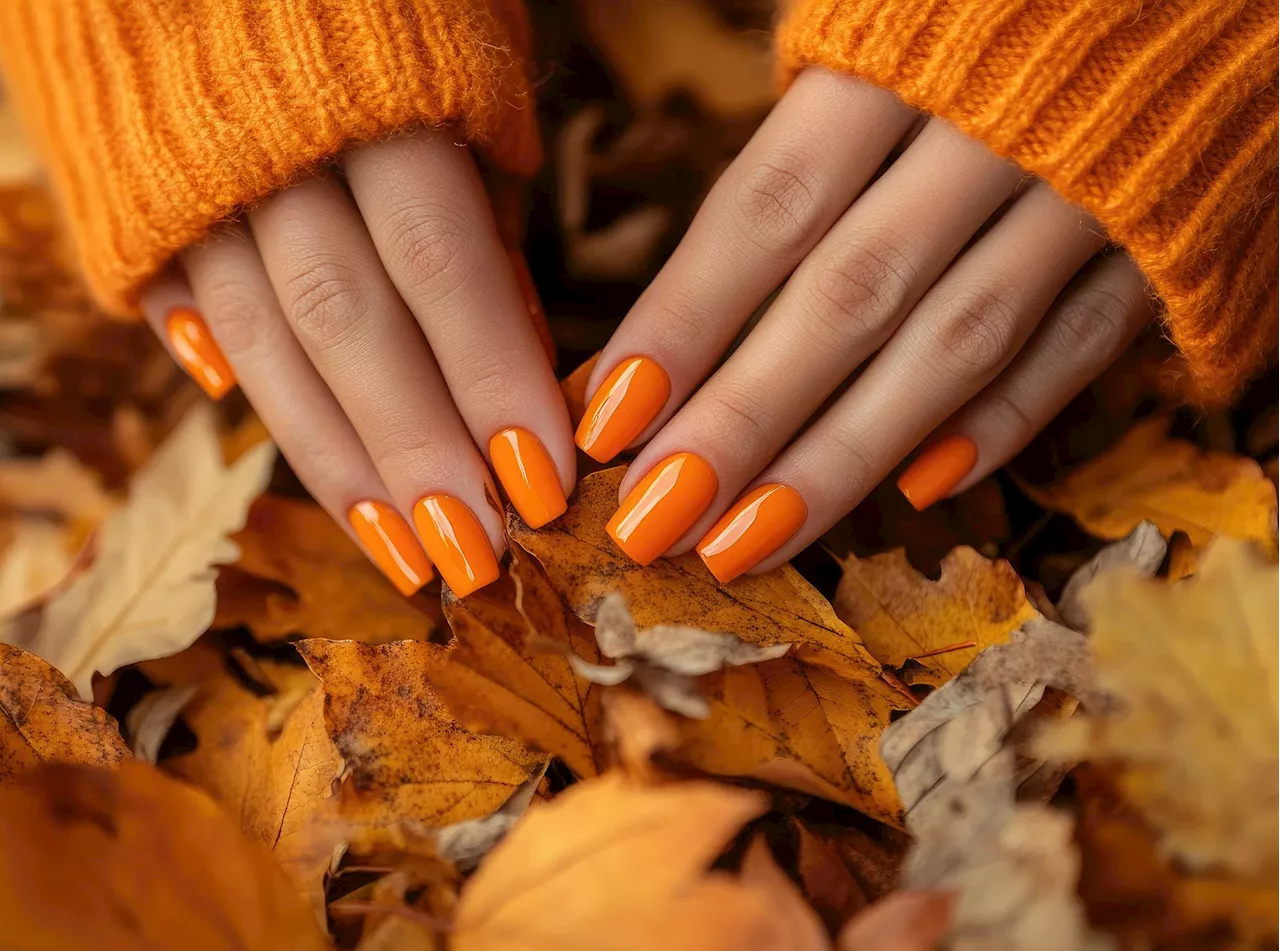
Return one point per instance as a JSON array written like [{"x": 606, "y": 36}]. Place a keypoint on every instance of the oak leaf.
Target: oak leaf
[
  {"x": 1170, "y": 482},
  {"x": 43, "y": 720},
  {"x": 128, "y": 858},
  {"x": 901, "y": 615},
  {"x": 613, "y": 864},
  {"x": 330, "y": 588},
  {"x": 150, "y": 591},
  {"x": 410, "y": 761}
]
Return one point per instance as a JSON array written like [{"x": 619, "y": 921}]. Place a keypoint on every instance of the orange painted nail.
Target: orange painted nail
[
  {"x": 755, "y": 527},
  {"x": 456, "y": 543},
  {"x": 391, "y": 545},
  {"x": 663, "y": 506},
  {"x": 199, "y": 355},
  {"x": 938, "y": 470},
  {"x": 625, "y": 404},
  {"x": 527, "y": 473}
]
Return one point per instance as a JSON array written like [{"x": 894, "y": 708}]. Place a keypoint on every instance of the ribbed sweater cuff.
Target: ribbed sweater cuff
[
  {"x": 160, "y": 118},
  {"x": 1159, "y": 118}
]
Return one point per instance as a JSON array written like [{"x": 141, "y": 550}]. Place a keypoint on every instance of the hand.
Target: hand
[
  {"x": 380, "y": 332},
  {"x": 948, "y": 300}
]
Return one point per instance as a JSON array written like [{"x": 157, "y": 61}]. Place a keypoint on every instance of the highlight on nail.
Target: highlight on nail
[
  {"x": 528, "y": 475},
  {"x": 629, "y": 399},
  {"x": 456, "y": 543},
  {"x": 663, "y": 506},
  {"x": 198, "y": 353},
  {"x": 755, "y": 527},
  {"x": 391, "y": 545},
  {"x": 939, "y": 469}
]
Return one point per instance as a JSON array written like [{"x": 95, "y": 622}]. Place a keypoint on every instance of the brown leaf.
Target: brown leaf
[
  {"x": 57, "y": 483},
  {"x": 940, "y": 625},
  {"x": 613, "y": 864},
  {"x": 410, "y": 761},
  {"x": 331, "y": 589},
  {"x": 636, "y": 730},
  {"x": 44, "y": 720},
  {"x": 126, "y": 859},
  {"x": 1148, "y": 476},
  {"x": 826, "y": 880}
]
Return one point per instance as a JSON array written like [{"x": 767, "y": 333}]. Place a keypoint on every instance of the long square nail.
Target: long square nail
[
  {"x": 457, "y": 544},
  {"x": 198, "y": 353},
  {"x": 623, "y": 407},
  {"x": 529, "y": 476},
  {"x": 391, "y": 545},
  {"x": 756, "y": 526},
  {"x": 940, "y": 468},
  {"x": 663, "y": 506}
]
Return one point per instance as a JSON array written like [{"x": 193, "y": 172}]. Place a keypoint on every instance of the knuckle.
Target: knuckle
[
  {"x": 325, "y": 301},
  {"x": 405, "y": 449},
  {"x": 863, "y": 286},
  {"x": 748, "y": 409},
  {"x": 426, "y": 247},
  {"x": 852, "y": 457},
  {"x": 235, "y": 313},
  {"x": 1092, "y": 325},
  {"x": 776, "y": 203},
  {"x": 1012, "y": 421},
  {"x": 977, "y": 329}
]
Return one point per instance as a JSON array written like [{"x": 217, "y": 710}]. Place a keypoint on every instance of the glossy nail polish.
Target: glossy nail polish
[
  {"x": 624, "y": 405},
  {"x": 938, "y": 470},
  {"x": 756, "y": 526},
  {"x": 663, "y": 506},
  {"x": 528, "y": 475},
  {"x": 199, "y": 355},
  {"x": 391, "y": 545},
  {"x": 456, "y": 543}
]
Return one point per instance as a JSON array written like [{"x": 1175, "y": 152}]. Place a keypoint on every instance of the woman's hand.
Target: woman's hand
[
  {"x": 947, "y": 301},
  {"x": 380, "y": 332}
]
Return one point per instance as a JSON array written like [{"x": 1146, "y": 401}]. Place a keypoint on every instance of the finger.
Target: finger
[
  {"x": 170, "y": 309},
  {"x": 342, "y": 308},
  {"x": 963, "y": 333},
  {"x": 230, "y": 286},
  {"x": 1093, "y": 321},
  {"x": 430, "y": 220},
  {"x": 836, "y": 310},
  {"x": 777, "y": 199}
]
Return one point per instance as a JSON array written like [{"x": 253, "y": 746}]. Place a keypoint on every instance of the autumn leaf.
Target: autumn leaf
[
  {"x": 611, "y": 863},
  {"x": 57, "y": 483},
  {"x": 44, "y": 721},
  {"x": 150, "y": 591},
  {"x": 1172, "y": 483},
  {"x": 125, "y": 859},
  {"x": 410, "y": 761},
  {"x": 334, "y": 591},
  {"x": 940, "y": 625}
]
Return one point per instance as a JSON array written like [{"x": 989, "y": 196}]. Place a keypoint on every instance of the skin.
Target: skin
[{"x": 380, "y": 334}]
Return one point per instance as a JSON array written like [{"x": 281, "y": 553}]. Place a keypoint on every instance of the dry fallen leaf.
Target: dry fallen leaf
[
  {"x": 56, "y": 483},
  {"x": 126, "y": 859},
  {"x": 39, "y": 555},
  {"x": 333, "y": 590},
  {"x": 613, "y": 864},
  {"x": 1143, "y": 549},
  {"x": 42, "y": 720},
  {"x": 150, "y": 591},
  {"x": 940, "y": 625},
  {"x": 1171, "y": 483},
  {"x": 410, "y": 761}
]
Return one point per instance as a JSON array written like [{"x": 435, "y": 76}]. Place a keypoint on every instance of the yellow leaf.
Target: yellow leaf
[
  {"x": 901, "y": 614},
  {"x": 126, "y": 859},
  {"x": 410, "y": 760},
  {"x": 1173, "y": 483},
  {"x": 42, "y": 720},
  {"x": 150, "y": 591}
]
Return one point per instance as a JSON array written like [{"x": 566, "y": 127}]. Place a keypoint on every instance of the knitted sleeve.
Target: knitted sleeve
[
  {"x": 159, "y": 118},
  {"x": 1157, "y": 116}
]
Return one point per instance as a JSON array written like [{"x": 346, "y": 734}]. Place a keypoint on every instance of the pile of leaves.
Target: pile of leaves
[{"x": 1040, "y": 715}]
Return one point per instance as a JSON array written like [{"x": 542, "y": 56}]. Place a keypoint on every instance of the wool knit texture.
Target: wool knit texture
[
  {"x": 160, "y": 118},
  {"x": 1157, "y": 116}
]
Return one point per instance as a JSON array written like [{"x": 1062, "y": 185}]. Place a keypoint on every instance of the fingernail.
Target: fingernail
[
  {"x": 623, "y": 407},
  {"x": 938, "y": 470},
  {"x": 456, "y": 543},
  {"x": 663, "y": 506},
  {"x": 755, "y": 527},
  {"x": 199, "y": 355},
  {"x": 391, "y": 545},
  {"x": 527, "y": 473}
]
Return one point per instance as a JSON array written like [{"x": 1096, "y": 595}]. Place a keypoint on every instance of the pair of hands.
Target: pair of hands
[{"x": 929, "y": 293}]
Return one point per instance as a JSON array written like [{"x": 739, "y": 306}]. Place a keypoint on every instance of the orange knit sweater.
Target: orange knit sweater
[{"x": 161, "y": 117}]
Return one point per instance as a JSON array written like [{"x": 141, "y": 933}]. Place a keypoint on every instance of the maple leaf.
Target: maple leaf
[
  {"x": 150, "y": 591},
  {"x": 129, "y": 858},
  {"x": 1169, "y": 482},
  {"x": 43, "y": 720},
  {"x": 610, "y": 863},
  {"x": 334, "y": 590},
  {"x": 901, "y": 615},
  {"x": 410, "y": 761},
  {"x": 1195, "y": 665}
]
